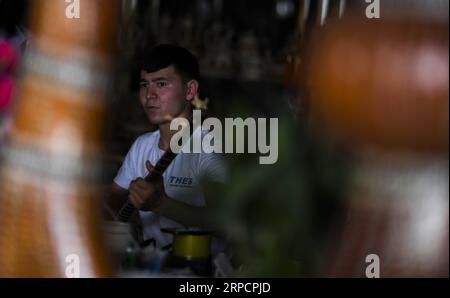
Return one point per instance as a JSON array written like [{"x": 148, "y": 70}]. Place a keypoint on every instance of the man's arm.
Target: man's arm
[
  {"x": 114, "y": 197},
  {"x": 189, "y": 215},
  {"x": 151, "y": 196}
]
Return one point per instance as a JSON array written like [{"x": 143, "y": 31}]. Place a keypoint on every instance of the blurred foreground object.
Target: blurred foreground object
[
  {"x": 383, "y": 84},
  {"x": 381, "y": 87},
  {"x": 49, "y": 212}
]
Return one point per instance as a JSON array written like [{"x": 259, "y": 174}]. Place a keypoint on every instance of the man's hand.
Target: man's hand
[{"x": 147, "y": 196}]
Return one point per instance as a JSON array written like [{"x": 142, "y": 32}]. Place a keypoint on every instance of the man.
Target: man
[{"x": 169, "y": 81}]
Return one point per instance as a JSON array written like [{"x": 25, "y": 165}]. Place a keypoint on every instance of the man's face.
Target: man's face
[{"x": 163, "y": 95}]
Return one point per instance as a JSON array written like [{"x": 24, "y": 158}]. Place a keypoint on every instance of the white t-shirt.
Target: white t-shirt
[{"x": 182, "y": 180}]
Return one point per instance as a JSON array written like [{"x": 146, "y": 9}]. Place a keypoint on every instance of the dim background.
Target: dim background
[{"x": 282, "y": 217}]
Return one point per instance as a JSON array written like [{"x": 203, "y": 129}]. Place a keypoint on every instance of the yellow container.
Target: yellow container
[{"x": 192, "y": 246}]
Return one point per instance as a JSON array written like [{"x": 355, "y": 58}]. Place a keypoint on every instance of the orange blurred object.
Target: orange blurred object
[
  {"x": 382, "y": 83},
  {"x": 381, "y": 88},
  {"x": 50, "y": 210}
]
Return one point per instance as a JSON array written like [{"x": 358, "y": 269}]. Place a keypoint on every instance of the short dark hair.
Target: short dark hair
[{"x": 165, "y": 55}]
